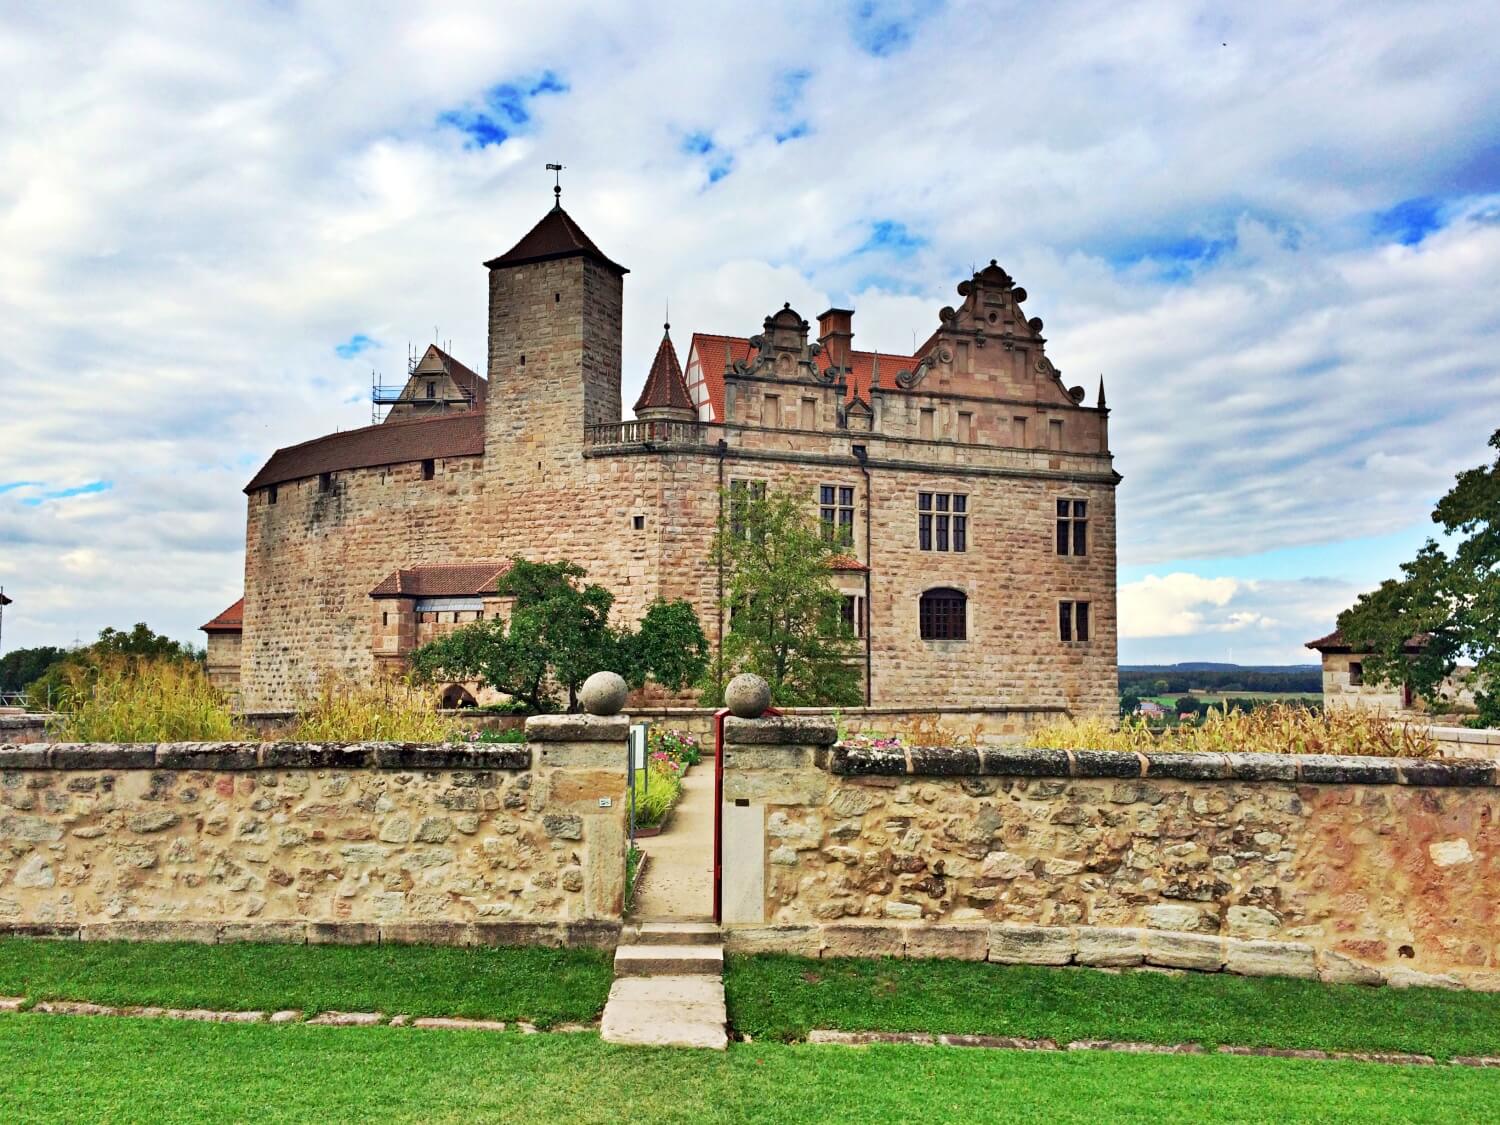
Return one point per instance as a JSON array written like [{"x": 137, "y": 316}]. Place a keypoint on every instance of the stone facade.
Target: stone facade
[
  {"x": 289, "y": 841},
  {"x": 979, "y": 413},
  {"x": 1356, "y": 869}
]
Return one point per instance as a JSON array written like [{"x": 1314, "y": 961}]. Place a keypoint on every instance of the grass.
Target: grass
[
  {"x": 777, "y": 997},
  {"x": 62, "y": 1069},
  {"x": 545, "y": 986}
]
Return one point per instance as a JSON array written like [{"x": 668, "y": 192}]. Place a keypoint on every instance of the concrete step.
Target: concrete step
[
  {"x": 666, "y": 1011},
  {"x": 673, "y": 933},
  {"x": 669, "y": 960}
]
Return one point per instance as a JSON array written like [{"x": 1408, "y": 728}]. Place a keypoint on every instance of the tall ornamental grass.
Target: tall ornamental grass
[
  {"x": 124, "y": 699},
  {"x": 383, "y": 711},
  {"x": 1276, "y": 729}
]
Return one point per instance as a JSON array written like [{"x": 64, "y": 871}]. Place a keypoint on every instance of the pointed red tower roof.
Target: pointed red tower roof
[
  {"x": 556, "y": 236},
  {"x": 665, "y": 387}
]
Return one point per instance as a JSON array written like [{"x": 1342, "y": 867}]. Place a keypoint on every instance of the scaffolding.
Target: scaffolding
[{"x": 411, "y": 392}]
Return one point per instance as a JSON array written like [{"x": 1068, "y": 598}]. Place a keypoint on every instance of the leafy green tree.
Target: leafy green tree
[
  {"x": 558, "y": 634},
  {"x": 1129, "y": 702},
  {"x": 1451, "y": 602},
  {"x": 20, "y": 667},
  {"x": 785, "y": 616},
  {"x": 142, "y": 641}
]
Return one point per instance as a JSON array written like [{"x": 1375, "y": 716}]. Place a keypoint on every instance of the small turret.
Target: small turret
[{"x": 665, "y": 396}]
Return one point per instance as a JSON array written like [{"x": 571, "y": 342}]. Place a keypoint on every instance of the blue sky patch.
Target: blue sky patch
[
  {"x": 718, "y": 162},
  {"x": 504, "y": 110},
  {"x": 1409, "y": 221},
  {"x": 9, "y": 485},
  {"x": 885, "y": 27},
  {"x": 889, "y": 236},
  {"x": 64, "y": 493},
  {"x": 786, "y": 101},
  {"x": 356, "y": 344}
]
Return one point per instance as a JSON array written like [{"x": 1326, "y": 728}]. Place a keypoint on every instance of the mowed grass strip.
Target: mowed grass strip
[
  {"x": 776, "y": 997},
  {"x": 545, "y": 986},
  {"x": 65, "y": 1069}
]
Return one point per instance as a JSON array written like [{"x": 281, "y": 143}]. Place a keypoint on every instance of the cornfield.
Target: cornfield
[
  {"x": 121, "y": 699},
  {"x": 1276, "y": 729},
  {"x": 384, "y": 711}
]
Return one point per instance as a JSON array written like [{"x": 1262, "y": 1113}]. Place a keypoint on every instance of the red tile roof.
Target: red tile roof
[
  {"x": 846, "y": 562},
  {"x": 556, "y": 236},
  {"x": 389, "y": 443},
  {"x": 711, "y": 351},
  {"x": 442, "y": 580},
  {"x": 665, "y": 386},
  {"x": 232, "y": 620},
  {"x": 1336, "y": 642}
]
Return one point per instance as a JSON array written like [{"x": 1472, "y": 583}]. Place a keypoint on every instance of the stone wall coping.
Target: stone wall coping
[
  {"x": 652, "y": 712},
  {"x": 779, "y": 730},
  {"x": 1017, "y": 761},
  {"x": 237, "y": 756},
  {"x": 578, "y": 728}
]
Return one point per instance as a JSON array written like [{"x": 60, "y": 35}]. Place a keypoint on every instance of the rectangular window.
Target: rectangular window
[
  {"x": 942, "y": 616},
  {"x": 271, "y": 495},
  {"x": 432, "y": 388},
  {"x": 853, "y": 614},
  {"x": 942, "y": 521},
  {"x": 385, "y": 618},
  {"x": 1072, "y": 527},
  {"x": 1356, "y": 674},
  {"x": 638, "y": 522},
  {"x": 965, "y": 426},
  {"x": 1018, "y": 432},
  {"x": 770, "y": 411},
  {"x": 809, "y": 414},
  {"x": 429, "y": 469},
  {"x": 741, "y": 492},
  {"x": 325, "y": 482},
  {"x": 926, "y": 423},
  {"x": 1073, "y": 622},
  {"x": 836, "y": 513},
  {"x": 1054, "y": 434}
]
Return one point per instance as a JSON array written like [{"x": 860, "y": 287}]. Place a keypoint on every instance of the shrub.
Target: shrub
[
  {"x": 1277, "y": 729},
  {"x": 384, "y": 711},
  {"x": 151, "y": 699},
  {"x": 655, "y": 800}
]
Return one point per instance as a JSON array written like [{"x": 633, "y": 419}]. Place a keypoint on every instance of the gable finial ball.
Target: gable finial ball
[
  {"x": 603, "y": 693},
  {"x": 747, "y": 696}
]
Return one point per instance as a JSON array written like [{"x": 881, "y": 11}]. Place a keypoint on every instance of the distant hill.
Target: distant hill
[{"x": 1302, "y": 678}]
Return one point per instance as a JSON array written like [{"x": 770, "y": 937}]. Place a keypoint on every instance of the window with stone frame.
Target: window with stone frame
[
  {"x": 1073, "y": 624},
  {"x": 1073, "y": 527},
  {"x": 836, "y": 513},
  {"x": 942, "y": 521},
  {"x": 741, "y": 494},
  {"x": 853, "y": 614},
  {"x": 943, "y": 615}
]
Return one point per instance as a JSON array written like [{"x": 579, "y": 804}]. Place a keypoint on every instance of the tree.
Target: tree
[
  {"x": 1130, "y": 702},
  {"x": 1188, "y": 705},
  {"x": 785, "y": 616},
  {"x": 20, "y": 667},
  {"x": 1450, "y": 603},
  {"x": 559, "y": 634},
  {"x": 141, "y": 643}
]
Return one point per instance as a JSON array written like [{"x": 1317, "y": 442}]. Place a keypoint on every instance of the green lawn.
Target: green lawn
[
  {"x": 545, "y": 986},
  {"x": 56, "y": 1068},
  {"x": 777, "y": 997}
]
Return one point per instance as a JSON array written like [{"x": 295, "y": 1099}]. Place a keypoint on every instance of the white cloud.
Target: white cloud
[{"x": 195, "y": 219}]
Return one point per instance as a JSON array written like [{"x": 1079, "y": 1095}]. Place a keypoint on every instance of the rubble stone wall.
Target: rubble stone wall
[{"x": 1349, "y": 869}]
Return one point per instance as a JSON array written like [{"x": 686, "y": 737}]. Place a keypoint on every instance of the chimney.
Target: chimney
[{"x": 836, "y": 334}]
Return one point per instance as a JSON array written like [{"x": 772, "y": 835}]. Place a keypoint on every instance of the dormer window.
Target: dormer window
[{"x": 432, "y": 388}]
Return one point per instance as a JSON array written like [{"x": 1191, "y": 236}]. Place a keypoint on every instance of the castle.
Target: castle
[{"x": 972, "y": 491}]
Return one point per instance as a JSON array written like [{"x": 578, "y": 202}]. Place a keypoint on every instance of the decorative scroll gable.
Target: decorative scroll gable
[{"x": 783, "y": 352}]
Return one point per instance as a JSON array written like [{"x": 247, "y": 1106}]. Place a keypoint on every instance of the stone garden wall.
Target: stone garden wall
[
  {"x": 494, "y": 844},
  {"x": 1352, "y": 869}
]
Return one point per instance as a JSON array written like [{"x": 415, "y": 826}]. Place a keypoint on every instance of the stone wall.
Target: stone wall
[
  {"x": 1352, "y": 869},
  {"x": 319, "y": 842},
  {"x": 979, "y": 726}
]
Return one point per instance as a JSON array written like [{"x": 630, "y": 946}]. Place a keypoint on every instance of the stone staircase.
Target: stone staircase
[{"x": 669, "y": 987}]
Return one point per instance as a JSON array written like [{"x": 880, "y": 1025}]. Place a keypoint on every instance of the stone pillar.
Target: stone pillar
[
  {"x": 578, "y": 768},
  {"x": 775, "y": 781}
]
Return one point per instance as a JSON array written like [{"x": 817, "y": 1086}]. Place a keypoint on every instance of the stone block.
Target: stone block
[
  {"x": 1400, "y": 977},
  {"x": 957, "y": 943},
  {"x": 202, "y": 933},
  {"x": 776, "y": 787},
  {"x": 563, "y": 826},
  {"x": 868, "y": 940},
  {"x": 279, "y": 933},
  {"x": 343, "y": 933},
  {"x": 578, "y": 728},
  {"x": 580, "y": 790},
  {"x": 103, "y": 756},
  {"x": 211, "y": 756},
  {"x": 795, "y": 941},
  {"x": 1346, "y": 769},
  {"x": 944, "y": 761},
  {"x": 1106, "y": 763},
  {"x": 779, "y": 730},
  {"x": 767, "y": 757},
  {"x": 1031, "y": 945},
  {"x": 1022, "y": 761},
  {"x": 1105, "y": 946},
  {"x": 54, "y": 931},
  {"x": 1454, "y": 772},
  {"x": 1270, "y": 959},
  {"x": 863, "y": 761},
  {"x": 1251, "y": 922},
  {"x": 581, "y": 755},
  {"x": 14, "y": 757},
  {"x": 1262, "y": 767},
  {"x": 1188, "y": 766},
  {"x": 594, "y": 933},
  {"x": 1184, "y": 951},
  {"x": 1175, "y": 916},
  {"x": 549, "y": 934},
  {"x": 1335, "y": 968},
  {"x": 427, "y": 933}
]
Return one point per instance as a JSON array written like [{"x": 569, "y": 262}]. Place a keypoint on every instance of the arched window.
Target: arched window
[{"x": 944, "y": 615}]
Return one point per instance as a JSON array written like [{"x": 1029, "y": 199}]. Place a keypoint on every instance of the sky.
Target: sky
[{"x": 1273, "y": 229}]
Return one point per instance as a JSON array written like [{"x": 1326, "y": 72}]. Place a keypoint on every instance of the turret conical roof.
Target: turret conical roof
[{"x": 665, "y": 387}]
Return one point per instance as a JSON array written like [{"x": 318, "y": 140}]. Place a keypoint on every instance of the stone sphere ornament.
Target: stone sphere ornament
[
  {"x": 603, "y": 693},
  {"x": 747, "y": 696}
]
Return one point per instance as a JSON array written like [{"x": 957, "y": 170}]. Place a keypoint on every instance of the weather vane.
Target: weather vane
[{"x": 556, "y": 170}]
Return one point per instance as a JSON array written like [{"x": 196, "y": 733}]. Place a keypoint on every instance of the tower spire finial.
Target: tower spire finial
[
  {"x": 556, "y": 170},
  {"x": 666, "y": 326}
]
